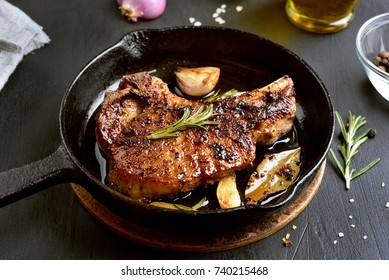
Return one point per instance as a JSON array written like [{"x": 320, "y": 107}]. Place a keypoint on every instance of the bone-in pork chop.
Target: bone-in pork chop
[{"x": 146, "y": 169}]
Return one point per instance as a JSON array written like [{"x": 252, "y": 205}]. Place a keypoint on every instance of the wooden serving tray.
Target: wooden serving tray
[{"x": 211, "y": 241}]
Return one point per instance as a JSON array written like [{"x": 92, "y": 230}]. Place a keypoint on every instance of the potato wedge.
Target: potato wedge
[
  {"x": 197, "y": 81},
  {"x": 274, "y": 174},
  {"x": 227, "y": 192}
]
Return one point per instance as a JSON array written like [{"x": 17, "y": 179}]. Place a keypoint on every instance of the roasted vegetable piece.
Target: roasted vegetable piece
[
  {"x": 197, "y": 81},
  {"x": 275, "y": 173},
  {"x": 227, "y": 192}
]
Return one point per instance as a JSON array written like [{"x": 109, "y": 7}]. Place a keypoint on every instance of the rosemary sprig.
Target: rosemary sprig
[
  {"x": 198, "y": 119},
  {"x": 176, "y": 206},
  {"x": 195, "y": 207},
  {"x": 349, "y": 147}
]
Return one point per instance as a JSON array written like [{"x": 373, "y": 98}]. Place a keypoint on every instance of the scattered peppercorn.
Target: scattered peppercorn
[
  {"x": 372, "y": 133},
  {"x": 286, "y": 241},
  {"x": 382, "y": 61}
]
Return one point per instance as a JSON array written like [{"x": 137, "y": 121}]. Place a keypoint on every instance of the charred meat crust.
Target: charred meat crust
[{"x": 146, "y": 169}]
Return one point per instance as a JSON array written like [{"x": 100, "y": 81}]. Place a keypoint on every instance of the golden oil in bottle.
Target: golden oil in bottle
[{"x": 321, "y": 16}]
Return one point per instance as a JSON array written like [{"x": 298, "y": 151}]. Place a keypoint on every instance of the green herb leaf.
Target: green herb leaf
[
  {"x": 183, "y": 207},
  {"x": 176, "y": 206},
  {"x": 199, "y": 204},
  {"x": 198, "y": 119},
  {"x": 350, "y": 146}
]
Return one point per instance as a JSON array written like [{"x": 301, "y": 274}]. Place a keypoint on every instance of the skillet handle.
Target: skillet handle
[{"x": 23, "y": 181}]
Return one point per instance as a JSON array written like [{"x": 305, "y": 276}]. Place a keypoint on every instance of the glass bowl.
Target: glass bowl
[{"x": 373, "y": 38}]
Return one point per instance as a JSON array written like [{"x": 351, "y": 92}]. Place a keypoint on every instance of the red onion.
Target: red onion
[{"x": 144, "y": 9}]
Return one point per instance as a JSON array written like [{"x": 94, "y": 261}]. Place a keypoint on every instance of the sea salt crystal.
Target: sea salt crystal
[
  {"x": 220, "y": 20},
  {"x": 220, "y": 10},
  {"x": 352, "y": 225},
  {"x": 364, "y": 237},
  {"x": 382, "y": 184},
  {"x": 195, "y": 22},
  {"x": 350, "y": 217},
  {"x": 341, "y": 234},
  {"x": 387, "y": 205},
  {"x": 352, "y": 200},
  {"x": 335, "y": 241},
  {"x": 239, "y": 8}
]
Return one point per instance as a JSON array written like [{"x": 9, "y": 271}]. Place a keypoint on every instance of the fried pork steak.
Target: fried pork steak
[{"x": 146, "y": 169}]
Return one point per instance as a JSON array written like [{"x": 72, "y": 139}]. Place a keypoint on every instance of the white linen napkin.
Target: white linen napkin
[{"x": 19, "y": 35}]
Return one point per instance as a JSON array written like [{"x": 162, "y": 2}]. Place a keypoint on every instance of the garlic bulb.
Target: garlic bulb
[{"x": 142, "y": 9}]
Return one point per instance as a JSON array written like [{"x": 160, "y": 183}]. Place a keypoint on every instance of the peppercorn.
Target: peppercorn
[
  {"x": 377, "y": 60},
  {"x": 382, "y": 61},
  {"x": 384, "y": 54},
  {"x": 372, "y": 133}
]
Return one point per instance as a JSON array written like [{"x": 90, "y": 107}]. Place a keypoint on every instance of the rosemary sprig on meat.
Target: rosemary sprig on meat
[
  {"x": 349, "y": 147},
  {"x": 199, "y": 119}
]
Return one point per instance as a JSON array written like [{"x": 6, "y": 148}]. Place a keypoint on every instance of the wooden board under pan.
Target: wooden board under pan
[{"x": 216, "y": 241}]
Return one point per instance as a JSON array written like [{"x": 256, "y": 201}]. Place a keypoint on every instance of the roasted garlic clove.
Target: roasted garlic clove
[
  {"x": 197, "y": 81},
  {"x": 227, "y": 192}
]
